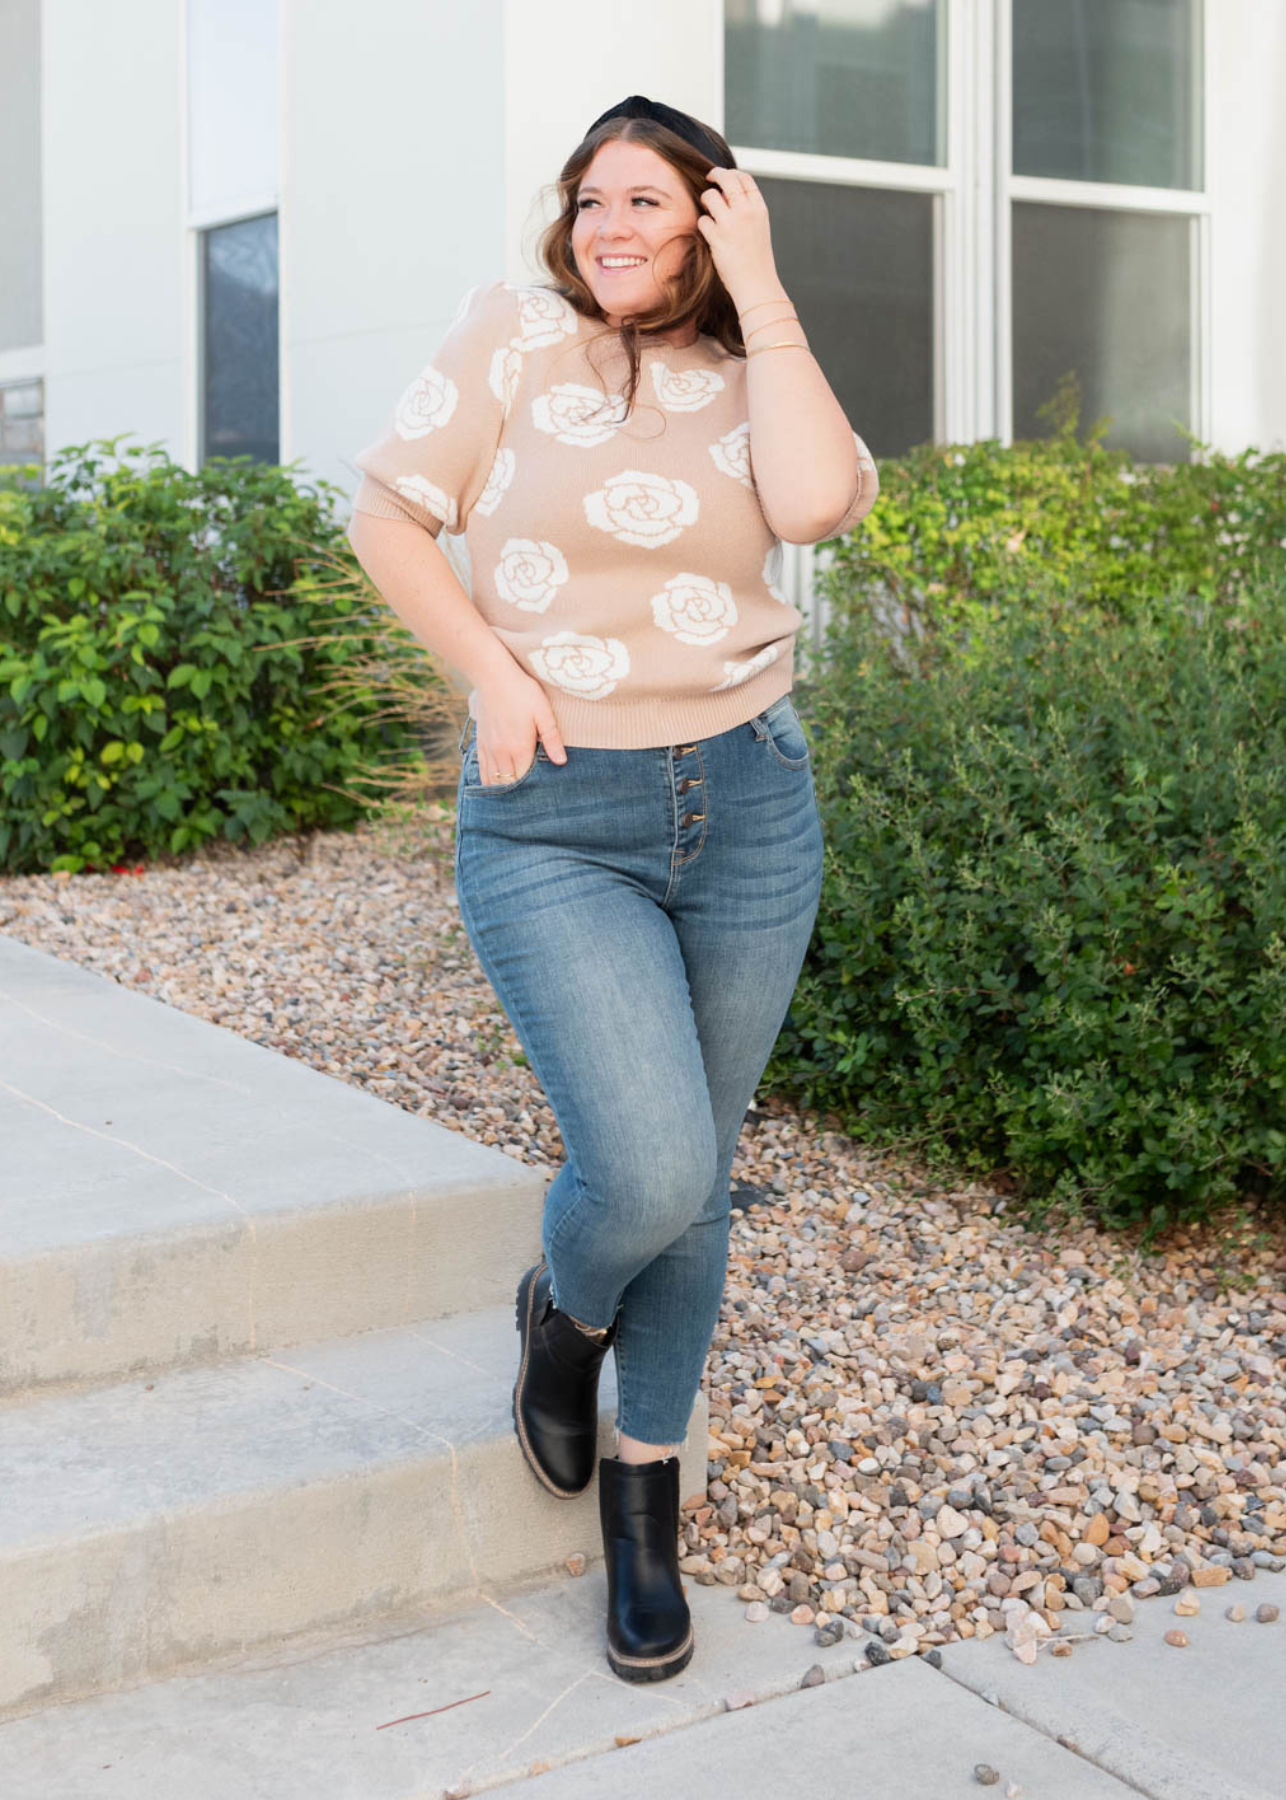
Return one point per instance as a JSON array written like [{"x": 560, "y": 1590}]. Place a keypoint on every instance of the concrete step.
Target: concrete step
[
  {"x": 479, "y": 1696},
  {"x": 156, "y": 1524},
  {"x": 173, "y": 1194}
]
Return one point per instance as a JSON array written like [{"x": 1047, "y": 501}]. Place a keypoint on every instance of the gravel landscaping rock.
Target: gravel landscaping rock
[{"x": 922, "y": 1411}]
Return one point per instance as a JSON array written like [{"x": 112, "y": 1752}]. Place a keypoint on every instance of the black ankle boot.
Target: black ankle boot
[
  {"x": 649, "y": 1628},
  {"x": 555, "y": 1398}
]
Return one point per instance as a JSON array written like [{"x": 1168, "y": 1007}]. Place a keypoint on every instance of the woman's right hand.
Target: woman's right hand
[{"x": 513, "y": 714}]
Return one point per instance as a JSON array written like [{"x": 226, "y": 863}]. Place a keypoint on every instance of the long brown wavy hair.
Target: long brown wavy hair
[{"x": 696, "y": 295}]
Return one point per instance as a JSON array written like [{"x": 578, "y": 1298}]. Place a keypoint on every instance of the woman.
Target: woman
[{"x": 638, "y": 847}]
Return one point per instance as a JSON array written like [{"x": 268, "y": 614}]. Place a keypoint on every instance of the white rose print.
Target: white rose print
[
  {"x": 695, "y": 609},
  {"x": 530, "y": 573},
  {"x": 427, "y": 404},
  {"x": 589, "y": 667},
  {"x": 688, "y": 390},
  {"x": 641, "y": 508},
  {"x": 739, "y": 672},
  {"x": 506, "y": 367},
  {"x": 543, "y": 317},
  {"x": 423, "y": 492},
  {"x": 502, "y": 474},
  {"x": 773, "y": 565},
  {"x": 732, "y": 454},
  {"x": 578, "y": 415}
]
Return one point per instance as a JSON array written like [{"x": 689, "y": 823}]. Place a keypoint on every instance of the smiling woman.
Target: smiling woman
[{"x": 638, "y": 844}]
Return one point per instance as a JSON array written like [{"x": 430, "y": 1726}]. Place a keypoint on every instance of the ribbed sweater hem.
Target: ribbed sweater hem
[{"x": 655, "y": 724}]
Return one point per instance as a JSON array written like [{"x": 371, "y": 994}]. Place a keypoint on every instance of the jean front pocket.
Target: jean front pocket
[
  {"x": 779, "y": 728},
  {"x": 471, "y": 775}
]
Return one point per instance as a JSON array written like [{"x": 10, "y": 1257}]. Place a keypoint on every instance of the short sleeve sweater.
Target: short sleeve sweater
[{"x": 624, "y": 561}]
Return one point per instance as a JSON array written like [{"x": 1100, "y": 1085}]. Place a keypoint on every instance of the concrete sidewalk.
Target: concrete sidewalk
[{"x": 526, "y": 1697}]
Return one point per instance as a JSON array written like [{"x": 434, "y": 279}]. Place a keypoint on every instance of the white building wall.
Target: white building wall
[
  {"x": 393, "y": 203},
  {"x": 20, "y": 303},
  {"x": 113, "y": 222},
  {"x": 1247, "y": 173}
]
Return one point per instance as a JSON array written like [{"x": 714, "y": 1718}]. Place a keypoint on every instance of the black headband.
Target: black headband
[{"x": 639, "y": 107}]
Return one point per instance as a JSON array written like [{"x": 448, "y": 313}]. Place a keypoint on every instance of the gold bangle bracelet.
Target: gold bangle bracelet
[
  {"x": 786, "y": 319},
  {"x": 760, "y": 303},
  {"x": 785, "y": 344}
]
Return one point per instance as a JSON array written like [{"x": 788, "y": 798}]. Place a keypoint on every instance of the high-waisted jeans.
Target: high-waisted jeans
[{"x": 642, "y": 916}]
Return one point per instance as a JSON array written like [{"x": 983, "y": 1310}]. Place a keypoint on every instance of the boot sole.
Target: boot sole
[
  {"x": 522, "y": 1319},
  {"x": 652, "y": 1668}
]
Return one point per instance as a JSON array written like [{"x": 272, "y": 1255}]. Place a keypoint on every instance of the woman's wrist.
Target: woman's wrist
[
  {"x": 766, "y": 294},
  {"x": 501, "y": 673},
  {"x": 776, "y": 324}
]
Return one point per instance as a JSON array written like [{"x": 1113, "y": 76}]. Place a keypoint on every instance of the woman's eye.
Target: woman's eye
[{"x": 581, "y": 204}]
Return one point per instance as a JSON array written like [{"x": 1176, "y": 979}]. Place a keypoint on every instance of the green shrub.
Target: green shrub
[
  {"x": 962, "y": 529},
  {"x": 1052, "y": 937},
  {"x": 171, "y": 649}
]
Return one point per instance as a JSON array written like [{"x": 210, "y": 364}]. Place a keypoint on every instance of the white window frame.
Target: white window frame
[{"x": 973, "y": 194}]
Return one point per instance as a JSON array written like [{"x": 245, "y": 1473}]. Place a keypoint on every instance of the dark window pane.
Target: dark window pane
[
  {"x": 239, "y": 389},
  {"x": 1104, "y": 294},
  {"x": 838, "y": 78},
  {"x": 858, "y": 263},
  {"x": 1108, "y": 90}
]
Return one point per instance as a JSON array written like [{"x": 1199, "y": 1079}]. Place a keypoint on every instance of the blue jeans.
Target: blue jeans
[{"x": 642, "y": 916}]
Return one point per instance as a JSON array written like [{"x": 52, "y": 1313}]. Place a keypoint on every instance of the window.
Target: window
[
  {"x": 239, "y": 386},
  {"x": 859, "y": 78},
  {"x": 22, "y": 422},
  {"x": 1104, "y": 295},
  {"x": 971, "y": 201},
  {"x": 1108, "y": 90},
  {"x": 1107, "y": 219},
  {"x": 839, "y": 110},
  {"x": 233, "y": 90},
  {"x": 873, "y": 309}
]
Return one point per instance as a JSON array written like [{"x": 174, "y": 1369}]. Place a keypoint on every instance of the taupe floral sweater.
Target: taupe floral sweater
[{"x": 623, "y": 561}]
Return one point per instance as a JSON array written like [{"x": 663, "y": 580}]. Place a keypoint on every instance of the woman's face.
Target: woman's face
[{"x": 632, "y": 204}]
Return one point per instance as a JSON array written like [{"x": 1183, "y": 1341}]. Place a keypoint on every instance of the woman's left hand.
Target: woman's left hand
[{"x": 736, "y": 229}]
